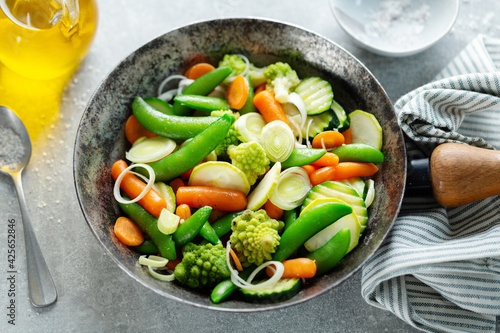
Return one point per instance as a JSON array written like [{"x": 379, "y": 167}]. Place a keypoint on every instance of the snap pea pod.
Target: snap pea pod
[
  {"x": 149, "y": 225},
  {"x": 199, "y": 102},
  {"x": 147, "y": 247},
  {"x": 170, "y": 126},
  {"x": 191, "y": 227},
  {"x": 302, "y": 156},
  {"x": 332, "y": 252},
  {"x": 209, "y": 234},
  {"x": 307, "y": 225},
  {"x": 223, "y": 225},
  {"x": 202, "y": 86},
  {"x": 289, "y": 216},
  {"x": 249, "y": 106},
  {"x": 160, "y": 105},
  {"x": 193, "y": 152},
  {"x": 226, "y": 288},
  {"x": 359, "y": 152}
]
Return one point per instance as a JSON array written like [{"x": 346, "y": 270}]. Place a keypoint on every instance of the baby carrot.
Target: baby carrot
[
  {"x": 128, "y": 232},
  {"x": 215, "y": 197},
  {"x": 347, "y": 136},
  {"x": 328, "y": 140},
  {"x": 176, "y": 183},
  {"x": 198, "y": 70},
  {"x": 329, "y": 159},
  {"x": 296, "y": 268},
  {"x": 183, "y": 211},
  {"x": 343, "y": 170},
  {"x": 259, "y": 88},
  {"x": 237, "y": 92},
  {"x": 272, "y": 210},
  {"x": 346, "y": 170},
  {"x": 172, "y": 263},
  {"x": 269, "y": 107},
  {"x": 322, "y": 175},
  {"x": 134, "y": 130},
  {"x": 309, "y": 168},
  {"x": 236, "y": 260},
  {"x": 133, "y": 186}
]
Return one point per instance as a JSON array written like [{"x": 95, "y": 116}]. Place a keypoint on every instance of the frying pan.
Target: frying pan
[{"x": 100, "y": 139}]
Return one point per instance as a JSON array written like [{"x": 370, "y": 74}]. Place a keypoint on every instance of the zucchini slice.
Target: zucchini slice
[
  {"x": 366, "y": 129},
  {"x": 281, "y": 291},
  {"x": 341, "y": 120},
  {"x": 341, "y": 191},
  {"x": 316, "y": 93},
  {"x": 314, "y": 125}
]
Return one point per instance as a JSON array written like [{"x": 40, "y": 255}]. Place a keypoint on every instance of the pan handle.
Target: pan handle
[{"x": 457, "y": 174}]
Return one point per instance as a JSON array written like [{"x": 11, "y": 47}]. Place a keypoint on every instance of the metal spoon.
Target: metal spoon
[{"x": 41, "y": 286}]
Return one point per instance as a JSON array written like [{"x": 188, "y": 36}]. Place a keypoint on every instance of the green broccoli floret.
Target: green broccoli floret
[
  {"x": 231, "y": 136},
  {"x": 238, "y": 66},
  {"x": 281, "y": 79},
  {"x": 256, "y": 75},
  {"x": 250, "y": 158},
  {"x": 202, "y": 265},
  {"x": 255, "y": 237}
]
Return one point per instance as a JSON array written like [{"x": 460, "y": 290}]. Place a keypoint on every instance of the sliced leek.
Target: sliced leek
[
  {"x": 250, "y": 126},
  {"x": 278, "y": 140},
  {"x": 150, "y": 260},
  {"x": 247, "y": 285},
  {"x": 161, "y": 277},
  {"x": 291, "y": 189},
  {"x": 116, "y": 188},
  {"x": 151, "y": 150},
  {"x": 298, "y": 102}
]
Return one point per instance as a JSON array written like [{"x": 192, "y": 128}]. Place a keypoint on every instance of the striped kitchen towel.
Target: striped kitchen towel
[{"x": 439, "y": 268}]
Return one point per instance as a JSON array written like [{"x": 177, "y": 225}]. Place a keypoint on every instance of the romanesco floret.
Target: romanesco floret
[
  {"x": 231, "y": 136},
  {"x": 255, "y": 237},
  {"x": 281, "y": 80},
  {"x": 250, "y": 158},
  {"x": 202, "y": 265}
]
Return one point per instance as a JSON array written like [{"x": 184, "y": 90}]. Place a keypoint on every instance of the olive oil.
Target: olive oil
[{"x": 42, "y": 43}]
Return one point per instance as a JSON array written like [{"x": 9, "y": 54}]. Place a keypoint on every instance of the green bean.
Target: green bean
[
  {"x": 303, "y": 156},
  {"x": 332, "y": 252},
  {"x": 199, "y": 102},
  {"x": 202, "y": 86},
  {"x": 307, "y": 225},
  {"x": 170, "y": 126},
  {"x": 149, "y": 225},
  {"x": 191, "y": 227},
  {"x": 193, "y": 152},
  {"x": 359, "y": 152}
]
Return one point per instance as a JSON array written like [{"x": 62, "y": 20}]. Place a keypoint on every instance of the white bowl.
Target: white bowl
[{"x": 396, "y": 28}]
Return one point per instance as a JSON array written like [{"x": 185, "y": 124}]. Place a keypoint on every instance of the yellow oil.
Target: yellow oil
[{"x": 42, "y": 42}]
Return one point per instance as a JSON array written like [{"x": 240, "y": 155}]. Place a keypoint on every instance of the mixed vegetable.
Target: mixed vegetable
[{"x": 245, "y": 179}]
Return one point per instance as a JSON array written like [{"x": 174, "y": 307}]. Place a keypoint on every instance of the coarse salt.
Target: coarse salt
[
  {"x": 11, "y": 147},
  {"x": 397, "y": 22}
]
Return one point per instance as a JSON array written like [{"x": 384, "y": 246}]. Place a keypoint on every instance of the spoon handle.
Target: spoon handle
[{"x": 41, "y": 286}]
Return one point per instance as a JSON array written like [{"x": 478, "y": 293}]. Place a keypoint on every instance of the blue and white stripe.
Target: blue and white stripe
[{"x": 439, "y": 268}]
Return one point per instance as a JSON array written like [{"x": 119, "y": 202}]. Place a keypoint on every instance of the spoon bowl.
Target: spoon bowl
[{"x": 15, "y": 154}]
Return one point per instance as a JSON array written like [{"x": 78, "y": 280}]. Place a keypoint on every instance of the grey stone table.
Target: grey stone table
[{"x": 94, "y": 294}]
